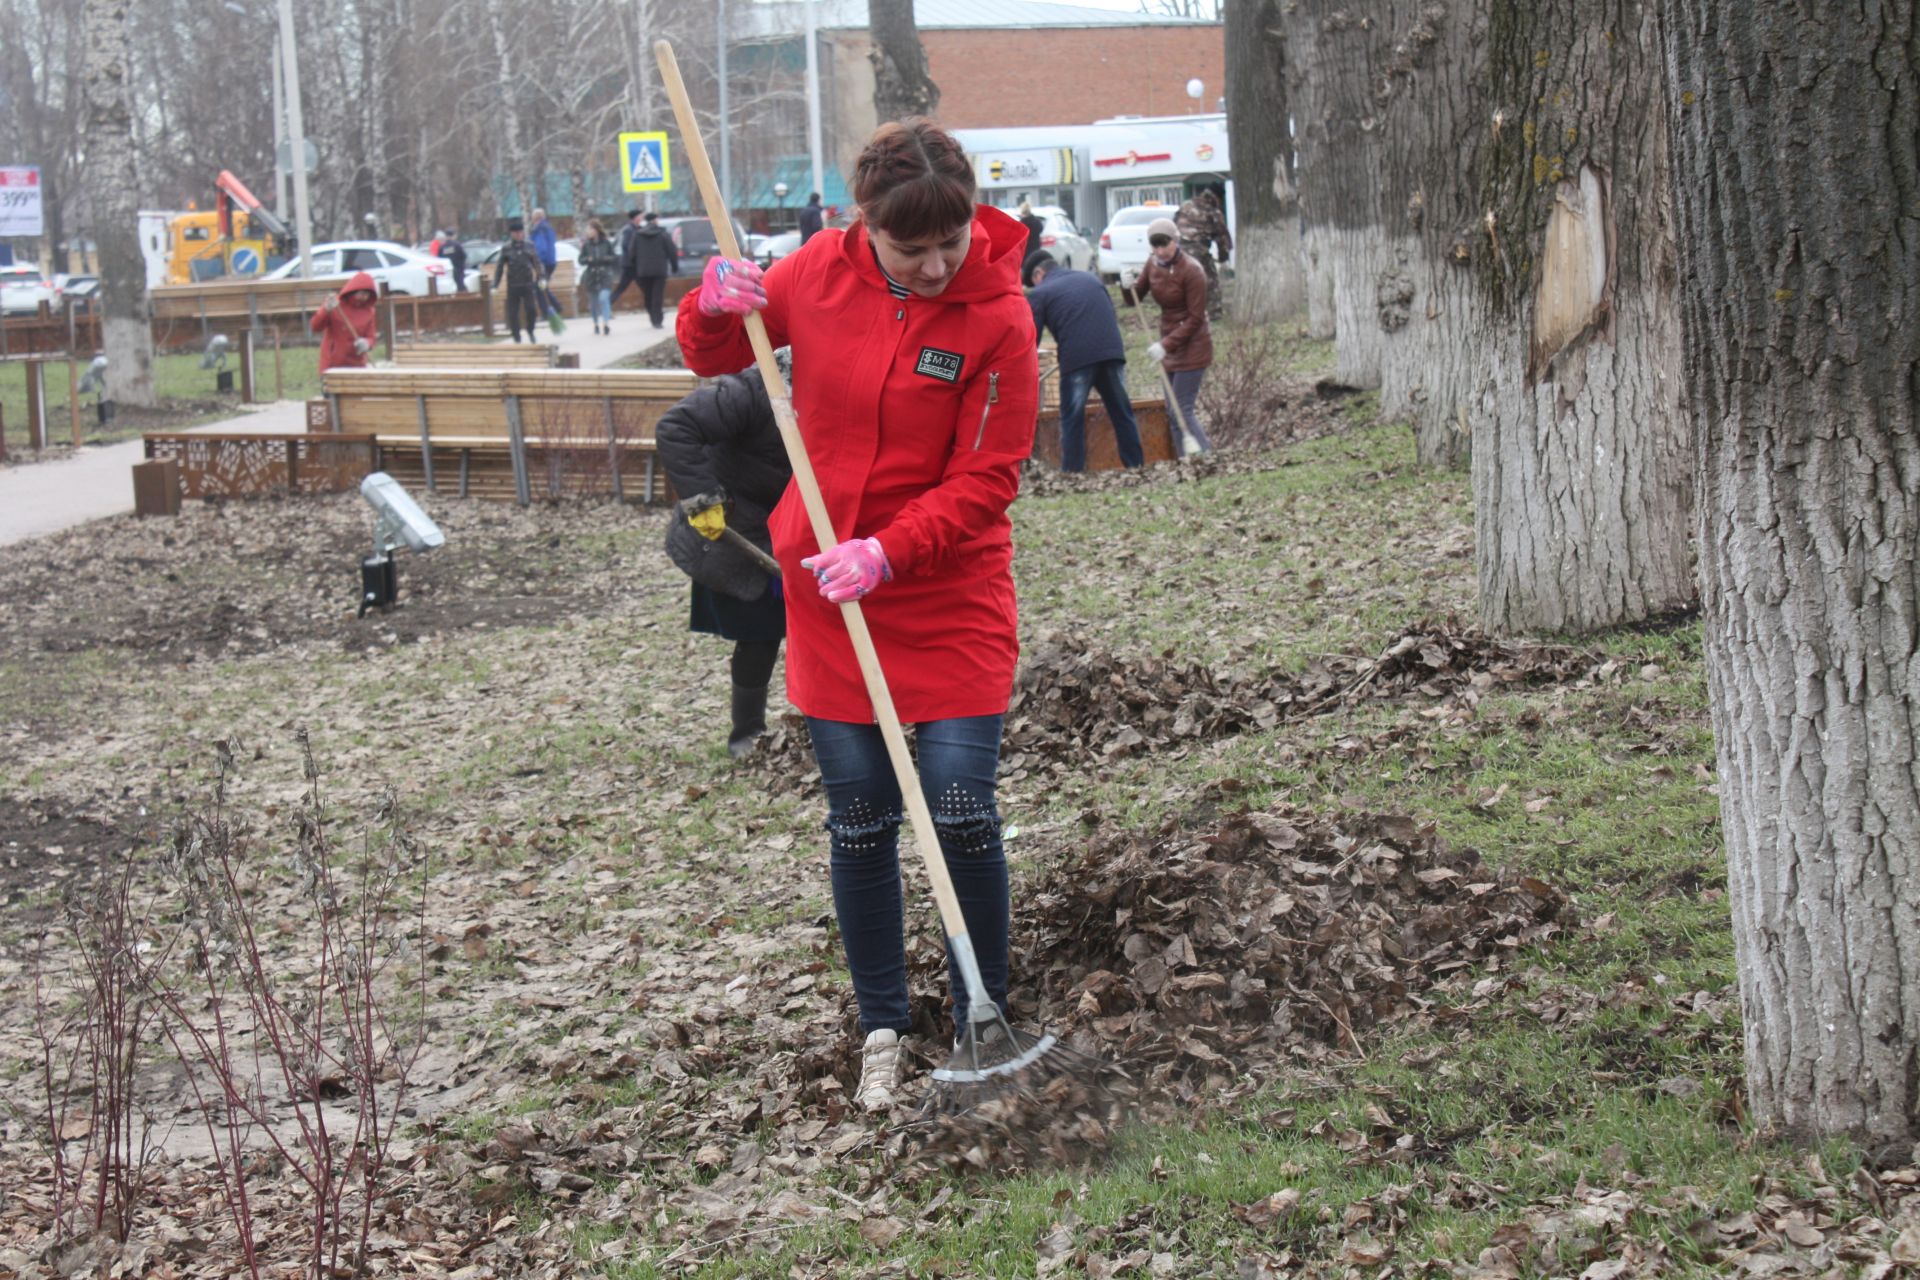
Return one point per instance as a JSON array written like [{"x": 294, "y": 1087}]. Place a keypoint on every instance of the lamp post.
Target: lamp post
[
  {"x": 297, "y": 141},
  {"x": 780, "y": 190}
]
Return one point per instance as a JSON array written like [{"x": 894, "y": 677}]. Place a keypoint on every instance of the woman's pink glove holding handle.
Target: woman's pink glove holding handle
[{"x": 731, "y": 286}]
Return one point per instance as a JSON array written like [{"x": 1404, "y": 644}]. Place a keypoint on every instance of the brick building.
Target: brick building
[{"x": 1000, "y": 64}]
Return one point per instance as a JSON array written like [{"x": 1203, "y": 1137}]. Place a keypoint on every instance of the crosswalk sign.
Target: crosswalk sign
[{"x": 643, "y": 162}]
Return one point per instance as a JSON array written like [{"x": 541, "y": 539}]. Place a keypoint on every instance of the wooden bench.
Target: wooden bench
[
  {"x": 587, "y": 431},
  {"x": 476, "y": 355}
]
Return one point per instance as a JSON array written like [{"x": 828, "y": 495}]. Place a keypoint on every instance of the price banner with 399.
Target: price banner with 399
[{"x": 20, "y": 201}]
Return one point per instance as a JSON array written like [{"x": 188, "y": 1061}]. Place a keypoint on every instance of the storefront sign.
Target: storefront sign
[
  {"x": 1045, "y": 167},
  {"x": 20, "y": 212},
  {"x": 1132, "y": 159}
]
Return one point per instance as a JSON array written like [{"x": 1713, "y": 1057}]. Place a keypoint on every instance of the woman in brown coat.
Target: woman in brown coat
[{"x": 1185, "y": 349}]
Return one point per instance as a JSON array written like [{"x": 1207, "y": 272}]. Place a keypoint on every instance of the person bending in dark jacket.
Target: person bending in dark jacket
[
  {"x": 652, "y": 257},
  {"x": 1076, "y": 307},
  {"x": 520, "y": 263},
  {"x": 722, "y": 442}
]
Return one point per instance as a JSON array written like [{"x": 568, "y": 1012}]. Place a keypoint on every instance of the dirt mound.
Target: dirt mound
[{"x": 241, "y": 577}]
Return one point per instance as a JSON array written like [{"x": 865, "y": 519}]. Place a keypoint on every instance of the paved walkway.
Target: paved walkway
[{"x": 38, "y": 498}]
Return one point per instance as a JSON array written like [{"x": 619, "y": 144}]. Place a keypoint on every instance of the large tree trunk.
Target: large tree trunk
[
  {"x": 1341, "y": 48},
  {"x": 1270, "y": 280},
  {"x": 1580, "y": 464},
  {"x": 901, "y": 85},
  {"x": 112, "y": 169},
  {"x": 1431, "y": 161},
  {"x": 1802, "y": 323}
]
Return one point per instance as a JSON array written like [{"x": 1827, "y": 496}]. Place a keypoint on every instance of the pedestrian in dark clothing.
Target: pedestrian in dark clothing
[
  {"x": 1076, "y": 308},
  {"x": 598, "y": 261},
  {"x": 651, "y": 258},
  {"x": 627, "y": 233},
  {"x": 721, "y": 443},
  {"x": 812, "y": 217},
  {"x": 1202, "y": 225},
  {"x": 1034, "y": 224},
  {"x": 456, "y": 255},
  {"x": 519, "y": 263}
]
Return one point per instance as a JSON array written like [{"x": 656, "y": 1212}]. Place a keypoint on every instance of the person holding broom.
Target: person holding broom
[{"x": 918, "y": 409}]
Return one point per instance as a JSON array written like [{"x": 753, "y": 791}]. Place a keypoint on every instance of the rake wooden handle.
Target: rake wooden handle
[
  {"x": 1166, "y": 381},
  {"x": 889, "y": 720}
]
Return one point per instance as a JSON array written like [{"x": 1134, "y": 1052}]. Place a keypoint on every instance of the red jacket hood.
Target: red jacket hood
[
  {"x": 361, "y": 280},
  {"x": 991, "y": 268}
]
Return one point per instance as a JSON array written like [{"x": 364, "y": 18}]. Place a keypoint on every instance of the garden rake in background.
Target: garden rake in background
[{"x": 990, "y": 1060}]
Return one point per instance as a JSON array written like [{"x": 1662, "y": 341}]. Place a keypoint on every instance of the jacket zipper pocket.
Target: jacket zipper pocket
[{"x": 993, "y": 398}]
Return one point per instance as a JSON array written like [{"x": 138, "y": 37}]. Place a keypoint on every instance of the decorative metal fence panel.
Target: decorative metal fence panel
[{"x": 242, "y": 466}]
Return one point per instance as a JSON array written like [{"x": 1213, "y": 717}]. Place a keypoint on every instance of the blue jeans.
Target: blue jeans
[
  {"x": 601, "y": 300},
  {"x": 958, "y": 759},
  {"x": 1109, "y": 378},
  {"x": 1186, "y": 393}
]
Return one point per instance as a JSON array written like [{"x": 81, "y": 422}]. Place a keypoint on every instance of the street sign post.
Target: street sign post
[{"x": 644, "y": 164}]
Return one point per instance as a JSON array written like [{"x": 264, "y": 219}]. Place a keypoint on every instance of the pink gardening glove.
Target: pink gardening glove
[
  {"x": 850, "y": 570},
  {"x": 731, "y": 285}
]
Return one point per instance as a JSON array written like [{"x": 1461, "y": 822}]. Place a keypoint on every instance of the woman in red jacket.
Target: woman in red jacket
[
  {"x": 917, "y": 408},
  {"x": 348, "y": 325}
]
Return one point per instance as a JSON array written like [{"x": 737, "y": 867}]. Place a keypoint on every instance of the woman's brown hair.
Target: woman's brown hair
[
  {"x": 914, "y": 180},
  {"x": 593, "y": 225}
]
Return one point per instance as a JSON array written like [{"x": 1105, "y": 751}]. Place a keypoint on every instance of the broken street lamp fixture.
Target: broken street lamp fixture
[{"x": 399, "y": 522}]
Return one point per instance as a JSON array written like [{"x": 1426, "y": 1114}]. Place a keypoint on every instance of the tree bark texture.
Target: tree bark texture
[
  {"x": 112, "y": 176},
  {"x": 1433, "y": 104},
  {"x": 1270, "y": 281},
  {"x": 1796, "y": 145},
  {"x": 901, "y": 85},
  {"x": 1339, "y": 192},
  {"x": 1306, "y": 96},
  {"x": 1581, "y": 471}
]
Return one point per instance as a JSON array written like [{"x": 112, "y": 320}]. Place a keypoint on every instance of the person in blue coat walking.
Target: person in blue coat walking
[
  {"x": 1076, "y": 308},
  {"x": 544, "y": 240}
]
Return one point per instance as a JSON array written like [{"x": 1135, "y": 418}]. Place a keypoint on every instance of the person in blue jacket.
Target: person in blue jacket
[
  {"x": 544, "y": 239},
  {"x": 1077, "y": 309}
]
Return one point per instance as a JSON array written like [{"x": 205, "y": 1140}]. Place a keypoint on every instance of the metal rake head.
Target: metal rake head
[{"x": 993, "y": 1062}]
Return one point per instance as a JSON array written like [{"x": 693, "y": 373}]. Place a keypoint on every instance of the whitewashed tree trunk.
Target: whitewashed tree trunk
[
  {"x": 1801, "y": 282},
  {"x": 1435, "y": 121},
  {"x": 1269, "y": 276},
  {"x": 1580, "y": 469},
  {"x": 1317, "y": 256},
  {"x": 112, "y": 176}
]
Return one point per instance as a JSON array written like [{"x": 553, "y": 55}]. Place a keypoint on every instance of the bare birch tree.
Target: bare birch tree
[{"x": 112, "y": 167}]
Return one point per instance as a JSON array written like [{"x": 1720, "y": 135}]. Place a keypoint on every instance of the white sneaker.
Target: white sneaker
[{"x": 883, "y": 1061}]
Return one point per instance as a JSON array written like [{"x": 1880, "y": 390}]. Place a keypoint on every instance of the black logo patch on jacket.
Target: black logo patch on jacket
[{"x": 944, "y": 365}]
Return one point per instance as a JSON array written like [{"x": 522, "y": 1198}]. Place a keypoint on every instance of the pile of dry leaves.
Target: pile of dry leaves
[
  {"x": 1183, "y": 959},
  {"x": 1075, "y": 701}
]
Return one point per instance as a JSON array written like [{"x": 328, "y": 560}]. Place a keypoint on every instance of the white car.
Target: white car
[
  {"x": 1059, "y": 237},
  {"x": 774, "y": 248},
  {"x": 23, "y": 289},
  {"x": 1123, "y": 245},
  {"x": 399, "y": 268}
]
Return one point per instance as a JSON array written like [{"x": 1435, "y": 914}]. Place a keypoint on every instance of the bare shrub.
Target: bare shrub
[
  {"x": 278, "y": 1041},
  {"x": 93, "y": 1034},
  {"x": 584, "y": 442},
  {"x": 1246, "y": 389}
]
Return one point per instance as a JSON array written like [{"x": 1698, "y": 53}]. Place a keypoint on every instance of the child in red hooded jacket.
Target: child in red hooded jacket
[
  {"x": 917, "y": 400},
  {"x": 348, "y": 325}
]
